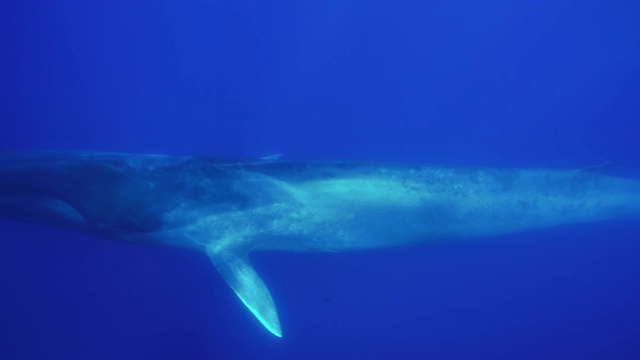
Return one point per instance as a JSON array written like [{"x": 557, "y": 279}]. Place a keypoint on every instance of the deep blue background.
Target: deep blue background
[{"x": 551, "y": 83}]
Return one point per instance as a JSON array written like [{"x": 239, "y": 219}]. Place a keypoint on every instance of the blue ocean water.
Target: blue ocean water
[{"x": 460, "y": 83}]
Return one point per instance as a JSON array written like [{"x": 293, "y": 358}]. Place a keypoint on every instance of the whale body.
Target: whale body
[{"x": 228, "y": 208}]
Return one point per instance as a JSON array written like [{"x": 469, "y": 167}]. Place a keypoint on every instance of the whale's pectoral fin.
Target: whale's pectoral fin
[
  {"x": 239, "y": 274},
  {"x": 600, "y": 168}
]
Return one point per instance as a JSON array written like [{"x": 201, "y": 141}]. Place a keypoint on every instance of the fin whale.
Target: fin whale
[{"x": 228, "y": 208}]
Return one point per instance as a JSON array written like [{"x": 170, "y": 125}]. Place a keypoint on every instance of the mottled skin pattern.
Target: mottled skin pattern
[{"x": 229, "y": 208}]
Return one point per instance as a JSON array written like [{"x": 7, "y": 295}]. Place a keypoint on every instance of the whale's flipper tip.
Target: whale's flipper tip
[
  {"x": 252, "y": 291},
  {"x": 272, "y": 157}
]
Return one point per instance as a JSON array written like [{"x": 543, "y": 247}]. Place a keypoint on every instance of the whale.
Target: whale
[{"x": 228, "y": 208}]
